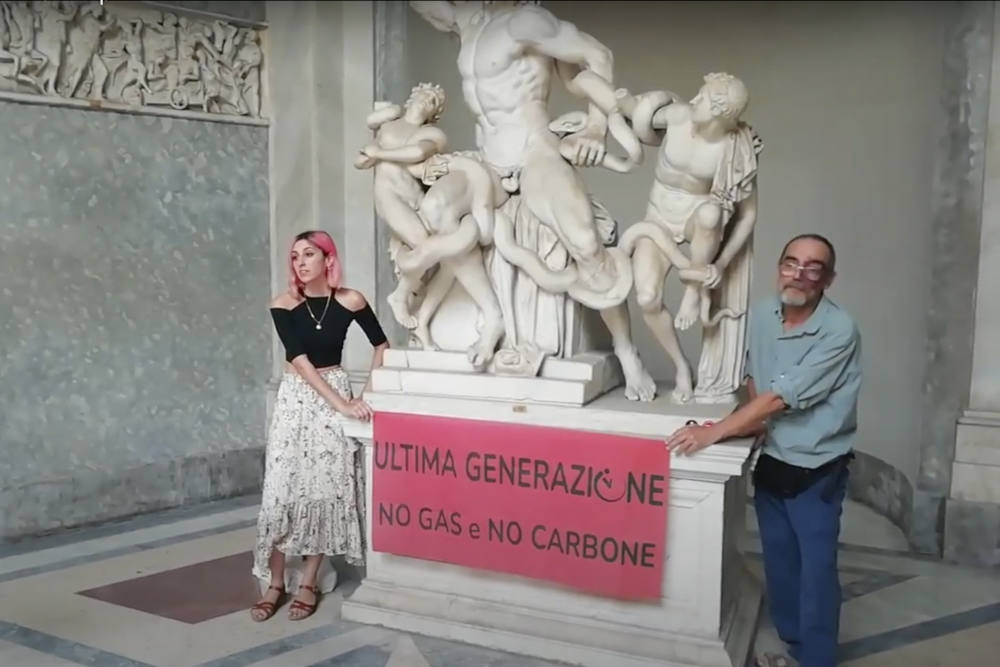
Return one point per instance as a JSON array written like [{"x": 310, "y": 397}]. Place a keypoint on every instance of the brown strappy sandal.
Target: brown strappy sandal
[
  {"x": 299, "y": 605},
  {"x": 268, "y": 607}
]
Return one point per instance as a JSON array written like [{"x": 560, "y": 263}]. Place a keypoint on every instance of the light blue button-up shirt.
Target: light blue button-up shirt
[{"x": 816, "y": 369}]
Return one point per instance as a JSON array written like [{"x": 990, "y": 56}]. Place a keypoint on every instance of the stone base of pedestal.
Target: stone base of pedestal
[
  {"x": 972, "y": 511},
  {"x": 706, "y": 614},
  {"x": 579, "y": 635}
]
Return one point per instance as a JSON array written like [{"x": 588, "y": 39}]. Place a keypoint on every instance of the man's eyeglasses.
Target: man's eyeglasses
[{"x": 813, "y": 272}]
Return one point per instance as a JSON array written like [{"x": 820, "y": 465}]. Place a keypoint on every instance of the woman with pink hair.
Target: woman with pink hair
[{"x": 313, "y": 503}]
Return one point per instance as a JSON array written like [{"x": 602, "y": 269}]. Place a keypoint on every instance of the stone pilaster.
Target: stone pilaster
[
  {"x": 957, "y": 202},
  {"x": 972, "y": 517},
  {"x": 321, "y": 85}
]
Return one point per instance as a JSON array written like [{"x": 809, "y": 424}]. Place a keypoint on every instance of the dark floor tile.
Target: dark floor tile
[
  {"x": 366, "y": 656},
  {"x": 441, "y": 653},
  {"x": 190, "y": 594}
]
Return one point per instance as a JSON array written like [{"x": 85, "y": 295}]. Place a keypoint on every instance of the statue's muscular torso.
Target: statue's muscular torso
[
  {"x": 505, "y": 85},
  {"x": 398, "y": 177},
  {"x": 685, "y": 161}
]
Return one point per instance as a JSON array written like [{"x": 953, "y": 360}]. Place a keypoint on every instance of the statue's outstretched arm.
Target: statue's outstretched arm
[
  {"x": 539, "y": 30},
  {"x": 441, "y": 15},
  {"x": 382, "y": 114},
  {"x": 426, "y": 142},
  {"x": 588, "y": 85}
]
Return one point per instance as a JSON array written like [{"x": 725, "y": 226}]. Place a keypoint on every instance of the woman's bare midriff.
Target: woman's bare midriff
[{"x": 291, "y": 369}]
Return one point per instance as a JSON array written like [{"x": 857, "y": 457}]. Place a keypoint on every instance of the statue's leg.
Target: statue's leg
[
  {"x": 437, "y": 289},
  {"x": 486, "y": 194},
  {"x": 399, "y": 301},
  {"x": 41, "y": 64},
  {"x": 706, "y": 236},
  {"x": 471, "y": 273},
  {"x": 502, "y": 278},
  {"x": 453, "y": 234},
  {"x": 439, "y": 247},
  {"x": 650, "y": 268},
  {"x": 401, "y": 218},
  {"x": 10, "y": 56},
  {"x": 639, "y": 384},
  {"x": 557, "y": 196},
  {"x": 52, "y": 79},
  {"x": 407, "y": 227}
]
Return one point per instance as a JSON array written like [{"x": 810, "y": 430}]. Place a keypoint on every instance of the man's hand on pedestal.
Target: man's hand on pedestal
[{"x": 691, "y": 439}]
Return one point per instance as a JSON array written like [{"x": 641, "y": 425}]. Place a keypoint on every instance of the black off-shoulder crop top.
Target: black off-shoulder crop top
[{"x": 322, "y": 346}]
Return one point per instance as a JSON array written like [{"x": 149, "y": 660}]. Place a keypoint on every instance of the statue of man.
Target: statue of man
[
  {"x": 705, "y": 194},
  {"x": 404, "y": 138},
  {"x": 508, "y": 53},
  {"x": 443, "y": 225}
]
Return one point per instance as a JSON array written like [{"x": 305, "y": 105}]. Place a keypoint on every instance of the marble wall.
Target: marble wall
[{"x": 134, "y": 337}]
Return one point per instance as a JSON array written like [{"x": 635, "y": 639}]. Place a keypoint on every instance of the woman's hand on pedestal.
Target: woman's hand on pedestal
[{"x": 358, "y": 409}]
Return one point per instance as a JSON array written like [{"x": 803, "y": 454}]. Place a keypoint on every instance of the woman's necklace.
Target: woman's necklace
[{"x": 318, "y": 322}]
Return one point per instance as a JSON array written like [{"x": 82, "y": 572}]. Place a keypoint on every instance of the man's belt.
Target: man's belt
[{"x": 788, "y": 481}]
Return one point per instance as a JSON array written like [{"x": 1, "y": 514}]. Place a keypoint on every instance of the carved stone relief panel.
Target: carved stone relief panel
[{"x": 129, "y": 54}]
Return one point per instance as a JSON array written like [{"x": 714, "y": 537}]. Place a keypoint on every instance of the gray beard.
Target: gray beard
[{"x": 794, "y": 300}]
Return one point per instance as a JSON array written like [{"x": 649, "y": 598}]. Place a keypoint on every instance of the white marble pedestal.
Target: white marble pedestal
[
  {"x": 708, "y": 611},
  {"x": 574, "y": 381}
]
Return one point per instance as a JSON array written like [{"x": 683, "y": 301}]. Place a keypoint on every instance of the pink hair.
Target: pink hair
[{"x": 323, "y": 241}]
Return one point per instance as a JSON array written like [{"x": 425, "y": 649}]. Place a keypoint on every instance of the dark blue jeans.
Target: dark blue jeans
[{"x": 799, "y": 541}]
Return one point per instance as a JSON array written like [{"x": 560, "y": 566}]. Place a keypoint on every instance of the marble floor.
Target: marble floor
[{"x": 172, "y": 589}]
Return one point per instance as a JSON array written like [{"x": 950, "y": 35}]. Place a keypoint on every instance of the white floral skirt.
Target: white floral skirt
[{"x": 314, "y": 493}]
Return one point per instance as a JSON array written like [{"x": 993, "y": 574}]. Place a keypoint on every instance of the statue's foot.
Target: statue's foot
[
  {"x": 683, "y": 387},
  {"x": 482, "y": 351},
  {"x": 478, "y": 355},
  {"x": 400, "y": 307},
  {"x": 639, "y": 384},
  {"x": 687, "y": 314},
  {"x": 423, "y": 335}
]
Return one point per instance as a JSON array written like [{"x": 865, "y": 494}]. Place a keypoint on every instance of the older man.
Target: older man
[{"x": 804, "y": 368}]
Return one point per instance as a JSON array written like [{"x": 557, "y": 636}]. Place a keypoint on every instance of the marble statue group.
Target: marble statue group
[{"x": 512, "y": 224}]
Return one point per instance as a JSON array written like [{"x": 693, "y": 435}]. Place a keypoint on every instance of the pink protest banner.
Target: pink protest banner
[{"x": 585, "y": 510}]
